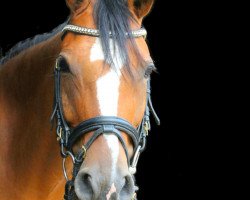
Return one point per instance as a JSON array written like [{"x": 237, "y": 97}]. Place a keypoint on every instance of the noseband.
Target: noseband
[{"x": 67, "y": 136}]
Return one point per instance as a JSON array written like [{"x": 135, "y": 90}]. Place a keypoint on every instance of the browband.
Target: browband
[{"x": 96, "y": 33}]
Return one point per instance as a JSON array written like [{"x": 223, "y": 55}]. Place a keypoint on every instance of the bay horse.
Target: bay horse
[{"x": 90, "y": 77}]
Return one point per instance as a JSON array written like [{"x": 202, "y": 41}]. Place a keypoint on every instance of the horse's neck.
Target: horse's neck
[{"x": 29, "y": 154}]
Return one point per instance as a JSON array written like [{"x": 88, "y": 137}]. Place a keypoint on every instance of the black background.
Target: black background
[{"x": 171, "y": 167}]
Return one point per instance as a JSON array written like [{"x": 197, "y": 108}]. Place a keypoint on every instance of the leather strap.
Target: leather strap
[{"x": 107, "y": 124}]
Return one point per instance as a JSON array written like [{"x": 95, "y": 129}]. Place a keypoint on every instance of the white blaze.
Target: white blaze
[
  {"x": 111, "y": 191},
  {"x": 108, "y": 95}
]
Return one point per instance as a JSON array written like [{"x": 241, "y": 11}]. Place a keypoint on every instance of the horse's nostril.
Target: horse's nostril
[
  {"x": 83, "y": 184},
  {"x": 86, "y": 178},
  {"x": 86, "y": 181},
  {"x": 128, "y": 187}
]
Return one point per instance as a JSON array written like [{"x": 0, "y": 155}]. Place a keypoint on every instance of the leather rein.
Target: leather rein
[{"x": 67, "y": 136}]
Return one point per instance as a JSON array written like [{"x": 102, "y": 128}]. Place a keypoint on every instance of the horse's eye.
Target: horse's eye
[
  {"x": 63, "y": 64},
  {"x": 149, "y": 70}
]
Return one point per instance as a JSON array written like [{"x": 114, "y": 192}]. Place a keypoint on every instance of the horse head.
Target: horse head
[{"x": 101, "y": 95}]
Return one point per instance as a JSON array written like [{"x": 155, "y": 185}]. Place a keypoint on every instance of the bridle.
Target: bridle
[{"x": 67, "y": 136}]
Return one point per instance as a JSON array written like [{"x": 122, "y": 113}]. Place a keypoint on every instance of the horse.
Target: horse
[{"x": 75, "y": 104}]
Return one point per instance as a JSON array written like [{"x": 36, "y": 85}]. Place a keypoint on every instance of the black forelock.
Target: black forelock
[{"x": 114, "y": 16}]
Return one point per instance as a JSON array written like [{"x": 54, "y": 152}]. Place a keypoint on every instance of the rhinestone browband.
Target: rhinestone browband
[{"x": 96, "y": 33}]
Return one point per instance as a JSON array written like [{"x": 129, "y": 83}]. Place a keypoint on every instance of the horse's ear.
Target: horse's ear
[
  {"x": 143, "y": 7},
  {"x": 74, "y": 5}
]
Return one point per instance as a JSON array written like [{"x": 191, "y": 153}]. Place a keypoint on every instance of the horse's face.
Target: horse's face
[{"x": 92, "y": 87}]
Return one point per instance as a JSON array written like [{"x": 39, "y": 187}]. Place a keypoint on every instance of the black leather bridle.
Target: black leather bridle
[{"x": 67, "y": 136}]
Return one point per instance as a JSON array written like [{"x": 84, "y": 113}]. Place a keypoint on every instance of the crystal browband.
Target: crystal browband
[{"x": 96, "y": 33}]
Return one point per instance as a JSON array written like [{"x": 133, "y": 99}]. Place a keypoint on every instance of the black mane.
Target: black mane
[{"x": 23, "y": 45}]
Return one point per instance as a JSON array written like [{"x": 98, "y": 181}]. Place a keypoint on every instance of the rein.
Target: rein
[{"x": 67, "y": 136}]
